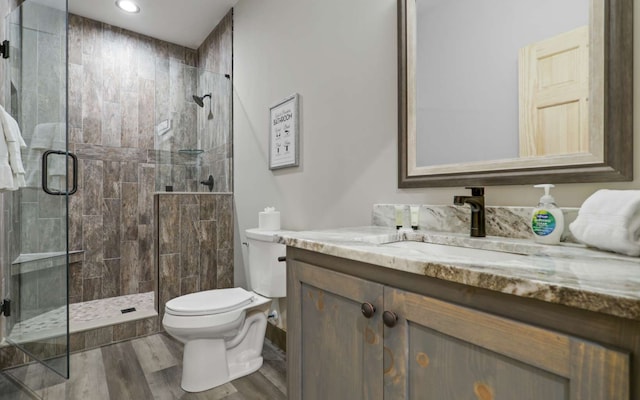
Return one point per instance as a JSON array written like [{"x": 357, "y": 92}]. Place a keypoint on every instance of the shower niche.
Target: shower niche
[{"x": 192, "y": 138}]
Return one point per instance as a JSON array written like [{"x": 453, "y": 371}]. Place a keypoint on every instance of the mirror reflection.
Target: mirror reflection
[
  {"x": 498, "y": 80},
  {"x": 514, "y": 91}
]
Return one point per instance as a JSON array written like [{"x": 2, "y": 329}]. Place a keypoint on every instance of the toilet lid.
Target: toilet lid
[{"x": 209, "y": 302}]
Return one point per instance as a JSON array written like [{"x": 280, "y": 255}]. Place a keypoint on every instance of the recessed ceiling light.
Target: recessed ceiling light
[{"x": 128, "y": 6}]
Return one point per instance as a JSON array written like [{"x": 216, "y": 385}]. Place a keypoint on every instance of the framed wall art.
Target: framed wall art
[{"x": 284, "y": 133}]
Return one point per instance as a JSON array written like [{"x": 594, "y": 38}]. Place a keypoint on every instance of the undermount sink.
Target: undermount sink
[{"x": 448, "y": 251}]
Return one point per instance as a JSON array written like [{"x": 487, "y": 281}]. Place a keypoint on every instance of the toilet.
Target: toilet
[{"x": 223, "y": 329}]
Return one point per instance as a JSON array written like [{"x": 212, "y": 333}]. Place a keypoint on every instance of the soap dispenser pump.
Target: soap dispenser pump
[{"x": 547, "y": 219}]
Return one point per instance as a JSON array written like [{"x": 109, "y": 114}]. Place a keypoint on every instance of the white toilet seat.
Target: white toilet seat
[
  {"x": 222, "y": 316},
  {"x": 209, "y": 302}
]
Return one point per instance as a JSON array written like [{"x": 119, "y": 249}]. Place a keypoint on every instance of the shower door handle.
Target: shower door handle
[{"x": 45, "y": 173}]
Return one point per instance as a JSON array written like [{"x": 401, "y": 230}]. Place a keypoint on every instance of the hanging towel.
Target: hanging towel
[
  {"x": 49, "y": 135},
  {"x": 610, "y": 220},
  {"x": 13, "y": 177},
  {"x": 46, "y": 136},
  {"x": 14, "y": 144},
  {"x": 6, "y": 174}
]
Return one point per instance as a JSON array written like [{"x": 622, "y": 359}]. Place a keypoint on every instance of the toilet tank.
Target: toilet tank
[{"x": 267, "y": 275}]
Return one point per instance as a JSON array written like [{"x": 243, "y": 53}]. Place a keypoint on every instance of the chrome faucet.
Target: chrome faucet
[{"x": 476, "y": 202}]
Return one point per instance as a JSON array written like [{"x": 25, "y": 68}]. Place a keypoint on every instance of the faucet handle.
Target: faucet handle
[{"x": 476, "y": 190}]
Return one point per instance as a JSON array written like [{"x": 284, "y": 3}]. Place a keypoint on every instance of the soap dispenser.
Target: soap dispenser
[{"x": 547, "y": 220}]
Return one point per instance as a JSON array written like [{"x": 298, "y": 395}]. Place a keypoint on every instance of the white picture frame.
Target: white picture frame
[{"x": 284, "y": 135}]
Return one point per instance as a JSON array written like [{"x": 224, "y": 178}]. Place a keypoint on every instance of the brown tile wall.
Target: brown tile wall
[
  {"x": 216, "y": 55},
  {"x": 114, "y": 96},
  {"x": 195, "y": 243},
  {"x": 112, "y": 75}
]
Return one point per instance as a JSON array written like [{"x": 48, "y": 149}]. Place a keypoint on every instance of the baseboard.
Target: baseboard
[{"x": 277, "y": 336}]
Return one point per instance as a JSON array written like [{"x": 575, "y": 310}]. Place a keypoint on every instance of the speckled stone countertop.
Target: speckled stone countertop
[{"x": 568, "y": 274}]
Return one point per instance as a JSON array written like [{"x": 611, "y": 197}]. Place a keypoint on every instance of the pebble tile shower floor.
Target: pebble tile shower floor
[{"x": 87, "y": 315}]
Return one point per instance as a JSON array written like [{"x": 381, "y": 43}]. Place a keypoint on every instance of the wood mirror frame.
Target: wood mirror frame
[{"x": 616, "y": 20}]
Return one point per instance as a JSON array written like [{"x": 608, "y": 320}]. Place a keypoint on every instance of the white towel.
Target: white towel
[
  {"x": 49, "y": 136},
  {"x": 6, "y": 174},
  {"x": 610, "y": 220},
  {"x": 13, "y": 142},
  {"x": 15, "y": 155},
  {"x": 46, "y": 136}
]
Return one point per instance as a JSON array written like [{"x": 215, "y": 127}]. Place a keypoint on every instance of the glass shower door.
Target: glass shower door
[{"x": 36, "y": 96}]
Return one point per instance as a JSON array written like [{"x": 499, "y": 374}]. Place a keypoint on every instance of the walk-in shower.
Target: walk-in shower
[{"x": 136, "y": 129}]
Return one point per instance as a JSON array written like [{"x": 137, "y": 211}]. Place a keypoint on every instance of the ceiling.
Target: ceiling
[{"x": 183, "y": 22}]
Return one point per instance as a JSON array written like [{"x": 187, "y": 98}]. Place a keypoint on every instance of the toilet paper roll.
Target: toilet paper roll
[{"x": 269, "y": 220}]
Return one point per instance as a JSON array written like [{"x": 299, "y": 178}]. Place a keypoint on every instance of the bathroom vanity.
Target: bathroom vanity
[{"x": 374, "y": 314}]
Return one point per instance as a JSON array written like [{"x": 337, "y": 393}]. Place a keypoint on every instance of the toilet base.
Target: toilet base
[
  {"x": 199, "y": 373},
  {"x": 245, "y": 368},
  {"x": 208, "y": 363}
]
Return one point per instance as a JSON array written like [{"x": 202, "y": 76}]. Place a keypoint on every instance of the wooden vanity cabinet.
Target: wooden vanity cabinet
[
  {"x": 333, "y": 350},
  {"x": 427, "y": 347}
]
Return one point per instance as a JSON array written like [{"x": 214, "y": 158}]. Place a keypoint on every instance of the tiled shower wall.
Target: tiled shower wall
[
  {"x": 38, "y": 91},
  {"x": 189, "y": 150},
  {"x": 195, "y": 243},
  {"x": 112, "y": 100},
  {"x": 111, "y": 129},
  {"x": 216, "y": 55},
  {"x": 207, "y": 128}
]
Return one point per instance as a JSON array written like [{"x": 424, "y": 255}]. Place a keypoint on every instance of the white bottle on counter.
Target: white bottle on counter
[{"x": 547, "y": 220}]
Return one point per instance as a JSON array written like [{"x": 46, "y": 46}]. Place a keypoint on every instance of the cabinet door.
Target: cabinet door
[
  {"x": 333, "y": 350},
  {"x": 438, "y": 350}
]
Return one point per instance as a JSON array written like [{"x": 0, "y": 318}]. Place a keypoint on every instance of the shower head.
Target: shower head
[{"x": 199, "y": 99}]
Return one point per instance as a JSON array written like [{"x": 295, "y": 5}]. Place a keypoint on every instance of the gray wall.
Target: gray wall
[{"x": 467, "y": 73}]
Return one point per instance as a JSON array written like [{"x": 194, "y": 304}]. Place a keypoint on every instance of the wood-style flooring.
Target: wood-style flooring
[{"x": 144, "y": 368}]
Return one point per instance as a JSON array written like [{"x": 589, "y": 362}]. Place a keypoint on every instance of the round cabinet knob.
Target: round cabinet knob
[
  {"x": 389, "y": 318},
  {"x": 367, "y": 309}
]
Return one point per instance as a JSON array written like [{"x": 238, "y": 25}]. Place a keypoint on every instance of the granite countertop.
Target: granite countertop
[{"x": 567, "y": 274}]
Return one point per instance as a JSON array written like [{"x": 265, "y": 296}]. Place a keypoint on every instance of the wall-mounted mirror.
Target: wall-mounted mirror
[{"x": 497, "y": 92}]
